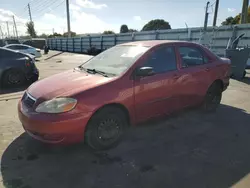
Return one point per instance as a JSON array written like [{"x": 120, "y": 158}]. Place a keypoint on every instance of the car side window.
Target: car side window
[
  {"x": 162, "y": 60},
  {"x": 12, "y": 47},
  {"x": 23, "y": 47},
  {"x": 191, "y": 56}
]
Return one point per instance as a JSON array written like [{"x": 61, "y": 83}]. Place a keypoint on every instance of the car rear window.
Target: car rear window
[{"x": 6, "y": 53}]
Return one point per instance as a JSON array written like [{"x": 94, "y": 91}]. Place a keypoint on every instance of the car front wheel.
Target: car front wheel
[
  {"x": 105, "y": 128},
  {"x": 212, "y": 98}
]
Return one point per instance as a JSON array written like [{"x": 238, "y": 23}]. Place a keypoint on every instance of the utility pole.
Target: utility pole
[
  {"x": 13, "y": 29},
  {"x": 206, "y": 18},
  {"x": 68, "y": 17},
  {"x": 14, "y": 21},
  {"x": 8, "y": 29},
  {"x": 53, "y": 31},
  {"x": 1, "y": 32},
  {"x": 216, "y": 12},
  {"x": 244, "y": 12},
  {"x": 30, "y": 12}
]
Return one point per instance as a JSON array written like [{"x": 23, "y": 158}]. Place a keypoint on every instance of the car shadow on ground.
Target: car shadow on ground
[
  {"x": 191, "y": 149},
  {"x": 246, "y": 80},
  {"x": 13, "y": 90}
]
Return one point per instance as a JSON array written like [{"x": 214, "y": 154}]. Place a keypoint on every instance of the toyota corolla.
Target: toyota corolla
[{"x": 122, "y": 86}]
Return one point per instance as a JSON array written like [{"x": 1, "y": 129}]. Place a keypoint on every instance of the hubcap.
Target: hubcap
[
  {"x": 14, "y": 78},
  {"x": 108, "y": 130}
]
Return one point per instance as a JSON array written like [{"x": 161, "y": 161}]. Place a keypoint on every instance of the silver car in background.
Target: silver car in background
[{"x": 25, "y": 49}]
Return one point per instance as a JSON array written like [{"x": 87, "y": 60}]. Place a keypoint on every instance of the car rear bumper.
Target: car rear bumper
[
  {"x": 38, "y": 54},
  {"x": 33, "y": 75},
  {"x": 53, "y": 129}
]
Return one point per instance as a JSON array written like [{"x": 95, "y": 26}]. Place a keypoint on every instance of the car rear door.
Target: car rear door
[
  {"x": 195, "y": 70},
  {"x": 157, "y": 94}
]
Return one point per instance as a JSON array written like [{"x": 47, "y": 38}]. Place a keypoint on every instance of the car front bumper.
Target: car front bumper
[{"x": 62, "y": 128}]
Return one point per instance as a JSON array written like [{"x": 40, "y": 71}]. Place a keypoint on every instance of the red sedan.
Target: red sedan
[{"x": 122, "y": 86}]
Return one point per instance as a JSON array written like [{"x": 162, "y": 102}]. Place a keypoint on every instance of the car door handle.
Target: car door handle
[{"x": 207, "y": 69}]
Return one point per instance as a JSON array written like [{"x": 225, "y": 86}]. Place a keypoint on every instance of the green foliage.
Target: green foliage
[
  {"x": 157, "y": 24},
  {"x": 24, "y": 37},
  {"x": 232, "y": 20},
  {"x": 236, "y": 20},
  {"x": 31, "y": 29},
  {"x": 132, "y": 30},
  {"x": 73, "y": 34},
  {"x": 55, "y": 35},
  {"x": 108, "y": 32},
  {"x": 43, "y": 35},
  {"x": 124, "y": 28}
]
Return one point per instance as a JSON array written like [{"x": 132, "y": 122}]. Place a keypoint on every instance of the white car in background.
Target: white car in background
[{"x": 25, "y": 49}]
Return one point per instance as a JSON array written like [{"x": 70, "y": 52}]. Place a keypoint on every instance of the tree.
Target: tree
[
  {"x": 55, "y": 35},
  {"x": 43, "y": 35},
  {"x": 157, "y": 24},
  {"x": 132, "y": 30},
  {"x": 236, "y": 20},
  {"x": 73, "y": 34},
  {"x": 108, "y": 32},
  {"x": 124, "y": 28},
  {"x": 31, "y": 29},
  {"x": 232, "y": 20}
]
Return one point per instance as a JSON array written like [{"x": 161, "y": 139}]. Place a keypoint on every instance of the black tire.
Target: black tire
[
  {"x": 213, "y": 98},
  {"x": 13, "y": 78},
  {"x": 244, "y": 75},
  {"x": 110, "y": 118}
]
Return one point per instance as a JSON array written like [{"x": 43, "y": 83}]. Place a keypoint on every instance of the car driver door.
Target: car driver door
[{"x": 157, "y": 94}]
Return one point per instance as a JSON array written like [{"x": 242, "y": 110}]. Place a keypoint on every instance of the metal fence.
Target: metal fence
[{"x": 216, "y": 38}]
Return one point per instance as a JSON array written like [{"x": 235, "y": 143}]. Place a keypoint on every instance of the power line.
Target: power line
[
  {"x": 38, "y": 4},
  {"x": 23, "y": 11},
  {"x": 51, "y": 9},
  {"x": 212, "y": 4},
  {"x": 46, "y": 7}
]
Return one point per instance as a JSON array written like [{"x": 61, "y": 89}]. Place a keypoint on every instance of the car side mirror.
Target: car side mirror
[{"x": 145, "y": 71}]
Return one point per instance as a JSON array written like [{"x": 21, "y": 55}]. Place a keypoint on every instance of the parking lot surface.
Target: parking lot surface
[{"x": 187, "y": 149}]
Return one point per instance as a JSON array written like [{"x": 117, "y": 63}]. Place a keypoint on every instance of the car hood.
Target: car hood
[{"x": 66, "y": 84}]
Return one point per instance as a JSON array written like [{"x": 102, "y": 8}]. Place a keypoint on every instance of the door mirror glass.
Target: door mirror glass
[{"x": 145, "y": 71}]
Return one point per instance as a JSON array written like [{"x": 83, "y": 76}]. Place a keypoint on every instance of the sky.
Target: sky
[{"x": 95, "y": 16}]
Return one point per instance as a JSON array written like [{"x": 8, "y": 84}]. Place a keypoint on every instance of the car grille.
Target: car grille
[{"x": 28, "y": 100}]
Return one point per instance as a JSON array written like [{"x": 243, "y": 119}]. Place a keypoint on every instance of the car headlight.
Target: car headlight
[{"x": 57, "y": 105}]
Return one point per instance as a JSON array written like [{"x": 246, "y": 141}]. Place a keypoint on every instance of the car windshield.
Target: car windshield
[{"x": 115, "y": 60}]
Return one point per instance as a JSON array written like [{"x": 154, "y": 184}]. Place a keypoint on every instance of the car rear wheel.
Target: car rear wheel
[
  {"x": 13, "y": 78},
  {"x": 212, "y": 98},
  {"x": 106, "y": 128}
]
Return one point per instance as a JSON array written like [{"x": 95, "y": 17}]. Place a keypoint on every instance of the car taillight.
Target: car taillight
[{"x": 27, "y": 62}]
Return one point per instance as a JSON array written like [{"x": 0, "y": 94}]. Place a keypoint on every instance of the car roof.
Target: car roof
[
  {"x": 151, "y": 43},
  {"x": 18, "y": 45},
  {"x": 3, "y": 48}
]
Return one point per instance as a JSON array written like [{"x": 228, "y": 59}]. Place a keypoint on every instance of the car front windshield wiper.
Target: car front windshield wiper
[{"x": 94, "y": 71}]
